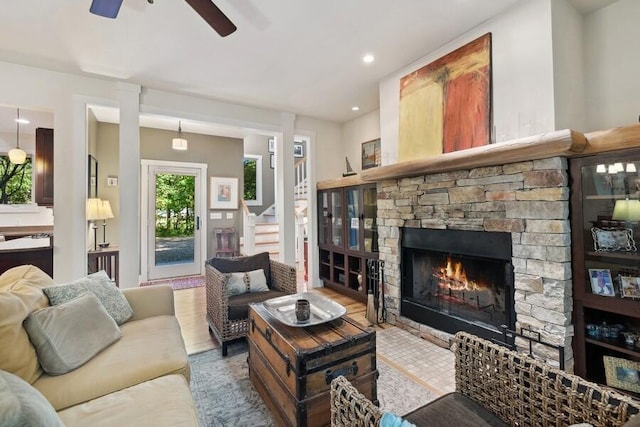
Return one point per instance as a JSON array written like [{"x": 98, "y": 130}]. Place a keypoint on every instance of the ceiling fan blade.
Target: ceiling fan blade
[
  {"x": 106, "y": 8},
  {"x": 214, "y": 16}
]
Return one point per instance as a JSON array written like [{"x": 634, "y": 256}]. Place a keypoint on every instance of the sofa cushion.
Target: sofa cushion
[
  {"x": 249, "y": 281},
  {"x": 66, "y": 336},
  {"x": 238, "y": 305},
  {"x": 164, "y": 401},
  {"x": 22, "y": 405},
  {"x": 149, "y": 348},
  {"x": 101, "y": 286},
  {"x": 244, "y": 263},
  {"x": 20, "y": 294},
  {"x": 439, "y": 413}
]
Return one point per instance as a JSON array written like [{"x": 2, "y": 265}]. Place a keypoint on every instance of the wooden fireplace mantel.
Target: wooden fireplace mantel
[{"x": 563, "y": 143}]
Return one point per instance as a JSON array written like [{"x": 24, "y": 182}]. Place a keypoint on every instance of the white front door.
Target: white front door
[{"x": 174, "y": 219}]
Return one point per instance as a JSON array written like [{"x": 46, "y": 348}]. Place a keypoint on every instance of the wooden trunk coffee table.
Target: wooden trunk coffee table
[{"x": 292, "y": 367}]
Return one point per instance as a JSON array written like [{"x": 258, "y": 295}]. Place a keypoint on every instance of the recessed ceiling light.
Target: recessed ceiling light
[
  {"x": 355, "y": 108},
  {"x": 23, "y": 121},
  {"x": 368, "y": 58}
]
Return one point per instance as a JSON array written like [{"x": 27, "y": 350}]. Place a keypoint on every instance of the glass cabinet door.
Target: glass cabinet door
[
  {"x": 353, "y": 219},
  {"x": 370, "y": 228},
  {"x": 323, "y": 217},
  {"x": 336, "y": 218}
]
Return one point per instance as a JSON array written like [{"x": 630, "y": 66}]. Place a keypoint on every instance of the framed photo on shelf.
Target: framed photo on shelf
[
  {"x": 298, "y": 149},
  {"x": 601, "y": 282},
  {"x": 629, "y": 286},
  {"x": 371, "y": 154},
  {"x": 224, "y": 193},
  {"x": 622, "y": 373},
  {"x": 272, "y": 145}
]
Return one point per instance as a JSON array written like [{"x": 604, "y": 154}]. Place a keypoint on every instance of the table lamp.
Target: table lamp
[
  {"x": 107, "y": 213},
  {"x": 94, "y": 212}
]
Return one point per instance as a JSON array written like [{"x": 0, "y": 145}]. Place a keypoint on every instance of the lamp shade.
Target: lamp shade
[
  {"x": 626, "y": 210},
  {"x": 17, "y": 156},
  {"x": 106, "y": 210},
  {"x": 94, "y": 209},
  {"x": 179, "y": 144}
]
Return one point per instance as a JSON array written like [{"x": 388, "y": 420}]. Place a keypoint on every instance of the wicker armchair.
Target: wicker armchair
[
  {"x": 497, "y": 386},
  {"x": 228, "y": 315}
]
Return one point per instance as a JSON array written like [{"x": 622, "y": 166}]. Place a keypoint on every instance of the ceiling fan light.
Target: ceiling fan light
[
  {"x": 17, "y": 156},
  {"x": 105, "y": 8}
]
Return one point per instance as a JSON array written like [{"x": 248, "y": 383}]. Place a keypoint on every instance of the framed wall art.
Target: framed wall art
[
  {"x": 224, "y": 193},
  {"x": 622, "y": 373},
  {"x": 601, "y": 282},
  {"x": 298, "y": 149},
  {"x": 371, "y": 154}
]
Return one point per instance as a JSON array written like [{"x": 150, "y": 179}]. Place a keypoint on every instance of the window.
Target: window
[
  {"x": 252, "y": 179},
  {"x": 15, "y": 182}
]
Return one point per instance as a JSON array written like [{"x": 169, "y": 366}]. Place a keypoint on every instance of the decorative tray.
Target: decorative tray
[{"x": 322, "y": 309}]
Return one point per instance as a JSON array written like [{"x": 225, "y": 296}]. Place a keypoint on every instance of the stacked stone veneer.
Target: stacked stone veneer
[{"x": 528, "y": 199}]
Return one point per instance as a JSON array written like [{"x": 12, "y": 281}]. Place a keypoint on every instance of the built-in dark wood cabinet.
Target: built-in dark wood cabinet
[
  {"x": 605, "y": 228},
  {"x": 347, "y": 237},
  {"x": 43, "y": 168}
]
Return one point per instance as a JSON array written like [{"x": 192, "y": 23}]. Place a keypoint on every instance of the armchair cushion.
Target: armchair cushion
[
  {"x": 239, "y": 304},
  {"x": 468, "y": 413},
  {"x": 249, "y": 281},
  {"x": 244, "y": 264}
]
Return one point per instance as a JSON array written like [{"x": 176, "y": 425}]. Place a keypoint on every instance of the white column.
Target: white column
[
  {"x": 284, "y": 189},
  {"x": 129, "y": 184}
]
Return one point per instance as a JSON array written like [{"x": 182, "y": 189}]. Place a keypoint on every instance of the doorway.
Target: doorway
[{"x": 175, "y": 220}]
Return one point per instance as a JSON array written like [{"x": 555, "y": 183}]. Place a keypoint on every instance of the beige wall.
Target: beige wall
[{"x": 222, "y": 155}]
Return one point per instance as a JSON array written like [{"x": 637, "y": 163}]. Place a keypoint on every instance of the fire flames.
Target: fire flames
[{"x": 453, "y": 277}]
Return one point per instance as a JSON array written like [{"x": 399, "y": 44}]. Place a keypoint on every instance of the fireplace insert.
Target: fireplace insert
[{"x": 456, "y": 280}]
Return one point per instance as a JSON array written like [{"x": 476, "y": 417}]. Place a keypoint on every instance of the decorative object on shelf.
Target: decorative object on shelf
[
  {"x": 348, "y": 170},
  {"x": 224, "y": 193},
  {"x": 601, "y": 282},
  {"x": 371, "y": 154},
  {"x": 17, "y": 155},
  {"x": 629, "y": 286},
  {"x": 622, "y": 373},
  {"x": 607, "y": 240},
  {"x": 179, "y": 143},
  {"x": 359, "y": 278}
]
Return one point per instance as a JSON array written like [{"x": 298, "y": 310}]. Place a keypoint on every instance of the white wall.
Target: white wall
[
  {"x": 354, "y": 133},
  {"x": 568, "y": 67},
  {"x": 522, "y": 67},
  {"x": 612, "y": 61}
]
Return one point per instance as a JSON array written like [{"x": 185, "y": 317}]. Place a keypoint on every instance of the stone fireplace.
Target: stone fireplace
[{"x": 526, "y": 201}]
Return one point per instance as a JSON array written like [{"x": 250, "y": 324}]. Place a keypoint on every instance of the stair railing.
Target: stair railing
[{"x": 300, "y": 180}]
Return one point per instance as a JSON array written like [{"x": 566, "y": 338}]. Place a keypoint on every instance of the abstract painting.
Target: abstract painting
[{"x": 445, "y": 106}]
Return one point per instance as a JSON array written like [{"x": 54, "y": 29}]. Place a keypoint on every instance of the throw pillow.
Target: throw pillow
[
  {"x": 68, "y": 335},
  {"x": 23, "y": 405},
  {"x": 250, "y": 281},
  {"x": 20, "y": 294},
  {"x": 392, "y": 420},
  {"x": 101, "y": 286},
  {"x": 243, "y": 264}
]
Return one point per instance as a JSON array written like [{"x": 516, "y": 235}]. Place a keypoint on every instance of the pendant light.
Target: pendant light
[
  {"x": 179, "y": 143},
  {"x": 17, "y": 156}
]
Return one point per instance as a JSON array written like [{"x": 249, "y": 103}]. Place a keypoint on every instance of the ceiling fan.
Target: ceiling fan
[{"x": 205, "y": 8}]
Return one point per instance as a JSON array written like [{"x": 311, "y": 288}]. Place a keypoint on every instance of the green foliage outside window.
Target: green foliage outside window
[
  {"x": 175, "y": 205},
  {"x": 250, "y": 179},
  {"x": 15, "y": 182}
]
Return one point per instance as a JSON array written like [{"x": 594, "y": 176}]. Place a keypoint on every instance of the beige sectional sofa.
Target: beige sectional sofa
[{"x": 140, "y": 379}]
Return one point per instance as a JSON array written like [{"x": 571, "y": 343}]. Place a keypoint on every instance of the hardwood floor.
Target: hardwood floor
[{"x": 191, "y": 313}]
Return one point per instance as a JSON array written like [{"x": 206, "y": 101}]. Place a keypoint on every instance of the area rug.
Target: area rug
[
  {"x": 179, "y": 282},
  {"x": 224, "y": 395}
]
